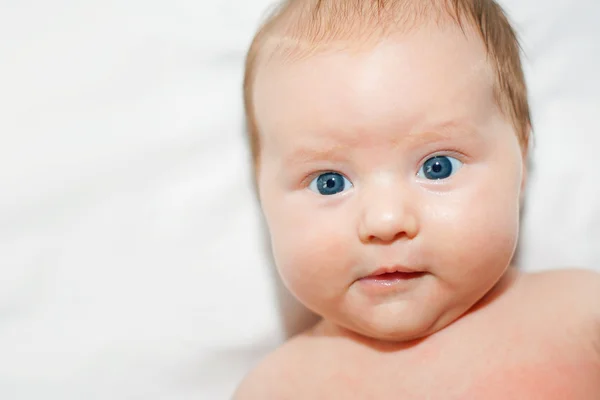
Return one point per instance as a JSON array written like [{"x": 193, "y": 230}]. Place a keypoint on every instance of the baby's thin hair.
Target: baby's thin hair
[{"x": 300, "y": 28}]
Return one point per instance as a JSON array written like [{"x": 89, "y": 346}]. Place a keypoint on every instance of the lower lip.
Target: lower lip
[{"x": 391, "y": 281}]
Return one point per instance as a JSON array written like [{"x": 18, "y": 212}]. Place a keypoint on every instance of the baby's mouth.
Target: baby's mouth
[
  {"x": 394, "y": 276},
  {"x": 391, "y": 276}
]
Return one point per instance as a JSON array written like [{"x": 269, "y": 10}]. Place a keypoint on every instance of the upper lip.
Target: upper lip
[{"x": 393, "y": 268}]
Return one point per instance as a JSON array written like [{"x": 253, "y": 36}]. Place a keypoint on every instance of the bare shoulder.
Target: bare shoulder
[
  {"x": 569, "y": 299},
  {"x": 279, "y": 375},
  {"x": 581, "y": 286}
]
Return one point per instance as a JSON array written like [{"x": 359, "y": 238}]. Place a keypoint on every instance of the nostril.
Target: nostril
[
  {"x": 387, "y": 226},
  {"x": 389, "y": 238}
]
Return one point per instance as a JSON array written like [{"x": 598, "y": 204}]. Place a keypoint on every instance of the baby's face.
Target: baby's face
[{"x": 395, "y": 158}]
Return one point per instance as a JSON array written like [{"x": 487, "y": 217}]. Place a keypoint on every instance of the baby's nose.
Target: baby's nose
[{"x": 387, "y": 216}]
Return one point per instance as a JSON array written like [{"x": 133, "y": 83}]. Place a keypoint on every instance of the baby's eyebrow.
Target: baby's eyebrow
[
  {"x": 442, "y": 131},
  {"x": 428, "y": 136},
  {"x": 448, "y": 130},
  {"x": 307, "y": 154}
]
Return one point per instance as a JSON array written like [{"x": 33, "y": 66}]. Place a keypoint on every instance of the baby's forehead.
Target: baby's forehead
[
  {"x": 378, "y": 91},
  {"x": 448, "y": 57}
]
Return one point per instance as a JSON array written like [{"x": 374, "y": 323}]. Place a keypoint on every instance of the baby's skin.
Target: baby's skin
[{"x": 391, "y": 181}]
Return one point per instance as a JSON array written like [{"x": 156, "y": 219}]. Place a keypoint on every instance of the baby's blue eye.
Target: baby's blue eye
[
  {"x": 439, "y": 167},
  {"x": 330, "y": 183}
]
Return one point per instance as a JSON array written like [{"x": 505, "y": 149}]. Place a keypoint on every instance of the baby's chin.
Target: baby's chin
[
  {"x": 399, "y": 333},
  {"x": 389, "y": 325}
]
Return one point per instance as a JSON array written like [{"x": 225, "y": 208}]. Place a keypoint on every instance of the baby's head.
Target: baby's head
[{"x": 388, "y": 135}]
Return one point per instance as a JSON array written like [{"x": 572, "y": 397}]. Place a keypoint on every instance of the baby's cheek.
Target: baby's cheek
[
  {"x": 472, "y": 231},
  {"x": 488, "y": 231},
  {"x": 312, "y": 260}
]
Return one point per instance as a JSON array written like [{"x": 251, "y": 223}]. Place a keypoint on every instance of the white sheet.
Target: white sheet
[{"x": 132, "y": 261}]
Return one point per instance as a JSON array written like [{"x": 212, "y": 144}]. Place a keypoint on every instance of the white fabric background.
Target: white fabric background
[{"x": 133, "y": 263}]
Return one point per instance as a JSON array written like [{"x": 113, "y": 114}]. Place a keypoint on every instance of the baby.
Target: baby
[{"x": 389, "y": 140}]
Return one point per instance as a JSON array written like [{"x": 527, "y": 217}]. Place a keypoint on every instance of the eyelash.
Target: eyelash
[
  {"x": 459, "y": 155},
  {"x": 305, "y": 182}
]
